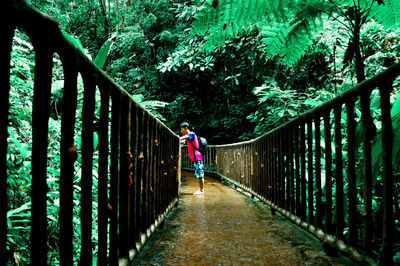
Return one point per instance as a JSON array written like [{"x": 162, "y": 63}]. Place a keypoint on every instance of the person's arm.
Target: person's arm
[{"x": 183, "y": 139}]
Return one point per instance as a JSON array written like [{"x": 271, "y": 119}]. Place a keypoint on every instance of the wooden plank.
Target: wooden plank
[
  {"x": 87, "y": 169},
  {"x": 103, "y": 211},
  {"x": 40, "y": 116},
  {"x": 5, "y": 53},
  {"x": 68, "y": 157}
]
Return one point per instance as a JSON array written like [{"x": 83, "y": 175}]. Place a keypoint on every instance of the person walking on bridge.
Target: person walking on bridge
[{"x": 195, "y": 156}]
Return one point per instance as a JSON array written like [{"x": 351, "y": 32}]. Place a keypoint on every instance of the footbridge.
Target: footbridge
[{"x": 319, "y": 170}]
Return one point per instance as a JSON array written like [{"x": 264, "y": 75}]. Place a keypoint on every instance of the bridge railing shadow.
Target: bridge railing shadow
[{"x": 138, "y": 156}]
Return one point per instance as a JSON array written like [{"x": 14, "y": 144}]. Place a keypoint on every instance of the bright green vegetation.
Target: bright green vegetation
[{"x": 231, "y": 70}]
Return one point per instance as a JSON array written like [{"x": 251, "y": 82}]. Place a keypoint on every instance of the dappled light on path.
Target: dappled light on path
[{"x": 225, "y": 227}]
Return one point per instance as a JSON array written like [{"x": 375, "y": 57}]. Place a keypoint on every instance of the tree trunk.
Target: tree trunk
[
  {"x": 103, "y": 8},
  {"x": 359, "y": 61}
]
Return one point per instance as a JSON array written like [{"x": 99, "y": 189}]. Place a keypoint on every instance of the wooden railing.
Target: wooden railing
[
  {"x": 284, "y": 169},
  {"x": 208, "y": 160},
  {"x": 138, "y": 155}
]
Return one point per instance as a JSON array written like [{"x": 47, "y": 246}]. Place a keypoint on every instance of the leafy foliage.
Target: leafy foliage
[{"x": 289, "y": 26}]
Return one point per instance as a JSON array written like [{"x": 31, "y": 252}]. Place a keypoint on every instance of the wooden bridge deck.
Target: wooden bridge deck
[{"x": 226, "y": 227}]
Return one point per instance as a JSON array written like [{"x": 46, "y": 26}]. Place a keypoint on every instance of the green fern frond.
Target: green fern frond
[
  {"x": 231, "y": 17},
  {"x": 298, "y": 43},
  {"x": 387, "y": 14},
  {"x": 274, "y": 36},
  {"x": 291, "y": 40},
  {"x": 288, "y": 26},
  {"x": 283, "y": 22}
]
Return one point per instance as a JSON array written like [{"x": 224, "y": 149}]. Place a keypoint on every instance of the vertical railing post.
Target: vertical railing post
[
  {"x": 87, "y": 169},
  {"x": 114, "y": 173},
  {"x": 351, "y": 168},
  {"x": 328, "y": 171},
  {"x": 270, "y": 157},
  {"x": 133, "y": 195},
  {"x": 123, "y": 183},
  {"x": 68, "y": 157},
  {"x": 292, "y": 167},
  {"x": 275, "y": 178},
  {"x": 281, "y": 176},
  {"x": 103, "y": 177},
  {"x": 153, "y": 176},
  {"x": 367, "y": 172},
  {"x": 339, "y": 172},
  {"x": 303, "y": 170},
  {"x": 5, "y": 54},
  {"x": 287, "y": 173},
  {"x": 264, "y": 149},
  {"x": 297, "y": 166},
  {"x": 40, "y": 116},
  {"x": 318, "y": 187},
  {"x": 145, "y": 160},
  {"x": 141, "y": 174},
  {"x": 387, "y": 174},
  {"x": 151, "y": 155},
  {"x": 310, "y": 183}
]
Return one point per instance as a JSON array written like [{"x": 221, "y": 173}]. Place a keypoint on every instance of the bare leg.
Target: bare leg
[{"x": 201, "y": 184}]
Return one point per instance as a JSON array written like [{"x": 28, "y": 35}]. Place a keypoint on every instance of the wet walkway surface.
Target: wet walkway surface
[{"x": 226, "y": 227}]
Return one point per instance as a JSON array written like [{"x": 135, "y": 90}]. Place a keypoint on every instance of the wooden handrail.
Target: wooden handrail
[{"x": 141, "y": 163}]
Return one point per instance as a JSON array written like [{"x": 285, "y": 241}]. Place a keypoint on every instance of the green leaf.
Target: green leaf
[
  {"x": 396, "y": 106},
  {"x": 103, "y": 53},
  {"x": 17, "y": 211},
  {"x": 95, "y": 140},
  {"x": 53, "y": 171},
  {"x": 74, "y": 41}
]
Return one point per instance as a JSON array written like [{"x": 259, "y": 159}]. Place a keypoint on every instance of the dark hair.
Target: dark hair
[{"x": 185, "y": 124}]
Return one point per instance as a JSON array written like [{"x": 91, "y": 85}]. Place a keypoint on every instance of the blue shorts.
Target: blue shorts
[{"x": 198, "y": 169}]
